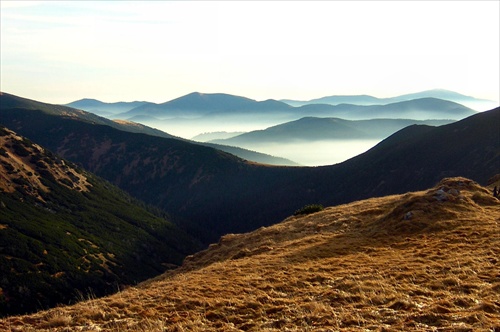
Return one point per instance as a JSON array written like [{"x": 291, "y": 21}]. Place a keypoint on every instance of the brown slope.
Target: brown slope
[{"x": 420, "y": 261}]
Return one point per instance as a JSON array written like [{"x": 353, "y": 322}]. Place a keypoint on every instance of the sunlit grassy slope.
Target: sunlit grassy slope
[{"x": 421, "y": 261}]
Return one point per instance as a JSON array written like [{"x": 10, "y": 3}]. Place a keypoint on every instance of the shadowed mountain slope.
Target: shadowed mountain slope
[
  {"x": 425, "y": 154},
  {"x": 216, "y": 193},
  {"x": 420, "y": 261},
  {"x": 64, "y": 232}
]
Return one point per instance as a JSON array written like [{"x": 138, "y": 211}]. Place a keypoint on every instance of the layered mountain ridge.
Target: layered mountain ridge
[
  {"x": 195, "y": 113},
  {"x": 216, "y": 105},
  {"x": 371, "y": 100}
]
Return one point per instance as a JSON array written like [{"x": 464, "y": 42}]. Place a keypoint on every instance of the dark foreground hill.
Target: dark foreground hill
[
  {"x": 420, "y": 261},
  {"x": 65, "y": 233},
  {"x": 217, "y": 193}
]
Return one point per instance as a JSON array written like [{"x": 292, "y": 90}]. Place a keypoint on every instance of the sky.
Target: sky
[{"x": 59, "y": 52}]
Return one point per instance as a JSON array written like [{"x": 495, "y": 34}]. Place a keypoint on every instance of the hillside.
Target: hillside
[
  {"x": 215, "y": 193},
  {"x": 64, "y": 232},
  {"x": 421, "y": 261},
  {"x": 422, "y": 154}
]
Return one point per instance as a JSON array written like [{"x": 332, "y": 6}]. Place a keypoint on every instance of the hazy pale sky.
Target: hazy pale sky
[{"x": 58, "y": 52}]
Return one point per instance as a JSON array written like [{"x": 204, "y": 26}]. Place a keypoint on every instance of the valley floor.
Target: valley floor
[{"x": 424, "y": 261}]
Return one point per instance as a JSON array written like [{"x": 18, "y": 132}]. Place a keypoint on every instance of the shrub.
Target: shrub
[
  {"x": 20, "y": 150},
  {"x": 308, "y": 209}
]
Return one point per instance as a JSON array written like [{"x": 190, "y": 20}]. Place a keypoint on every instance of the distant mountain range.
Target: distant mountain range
[
  {"x": 105, "y": 109},
  {"x": 319, "y": 129},
  {"x": 370, "y": 100},
  {"x": 215, "y": 193},
  {"x": 226, "y": 106},
  {"x": 430, "y": 103},
  {"x": 196, "y": 113},
  {"x": 201, "y": 104},
  {"x": 64, "y": 231}
]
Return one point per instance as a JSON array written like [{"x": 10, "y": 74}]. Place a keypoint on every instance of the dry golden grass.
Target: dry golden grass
[{"x": 423, "y": 261}]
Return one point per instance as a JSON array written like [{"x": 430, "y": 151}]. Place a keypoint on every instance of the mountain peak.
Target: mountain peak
[
  {"x": 89, "y": 100},
  {"x": 203, "y": 103}
]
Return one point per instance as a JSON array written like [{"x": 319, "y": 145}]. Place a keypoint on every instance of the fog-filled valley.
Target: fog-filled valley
[
  {"x": 317, "y": 153},
  {"x": 303, "y": 152},
  {"x": 214, "y": 117}
]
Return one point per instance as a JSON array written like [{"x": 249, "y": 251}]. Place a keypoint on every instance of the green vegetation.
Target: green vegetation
[
  {"x": 77, "y": 242},
  {"x": 71, "y": 241},
  {"x": 308, "y": 209}
]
